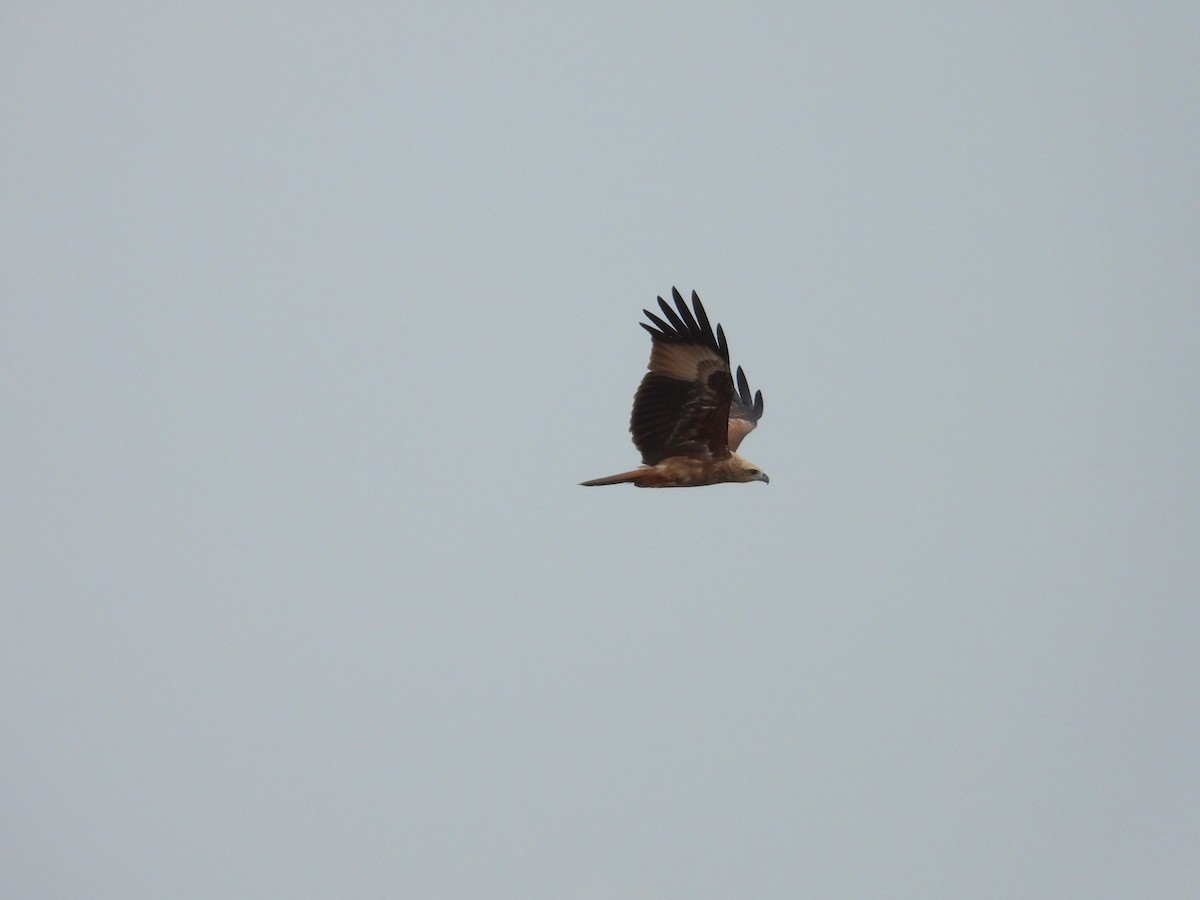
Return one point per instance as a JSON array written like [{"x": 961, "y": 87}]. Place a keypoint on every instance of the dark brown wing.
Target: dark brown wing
[
  {"x": 744, "y": 411},
  {"x": 682, "y": 405}
]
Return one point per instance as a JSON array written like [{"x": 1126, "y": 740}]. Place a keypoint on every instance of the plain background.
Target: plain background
[{"x": 314, "y": 316}]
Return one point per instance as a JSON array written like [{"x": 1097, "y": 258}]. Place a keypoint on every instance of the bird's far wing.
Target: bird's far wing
[
  {"x": 682, "y": 405},
  {"x": 744, "y": 411}
]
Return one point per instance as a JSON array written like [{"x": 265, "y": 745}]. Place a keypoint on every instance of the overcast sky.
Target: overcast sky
[{"x": 313, "y": 320}]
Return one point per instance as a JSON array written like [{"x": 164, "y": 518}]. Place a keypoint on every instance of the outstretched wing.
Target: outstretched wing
[
  {"x": 744, "y": 411},
  {"x": 682, "y": 406}
]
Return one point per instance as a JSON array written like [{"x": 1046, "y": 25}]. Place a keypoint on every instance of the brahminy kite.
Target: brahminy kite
[{"x": 688, "y": 419}]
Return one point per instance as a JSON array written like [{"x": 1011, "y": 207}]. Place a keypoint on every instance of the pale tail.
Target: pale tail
[{"x": 614, "y": 479}]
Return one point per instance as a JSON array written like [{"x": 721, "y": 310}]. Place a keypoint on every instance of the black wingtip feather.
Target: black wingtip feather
[
  {"x": 672, "y": 316},
  {"x": 701, "y": 315},
  {"x": 685, "y": 312},
  {"x": 657, "y": 321},
  {"x": 751, "y": 404}
]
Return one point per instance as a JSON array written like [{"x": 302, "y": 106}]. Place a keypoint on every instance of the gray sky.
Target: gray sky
[{"x": 314, "y": 319}]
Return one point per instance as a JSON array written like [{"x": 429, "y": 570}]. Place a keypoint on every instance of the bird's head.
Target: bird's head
[{"x": 750, "y": 472}]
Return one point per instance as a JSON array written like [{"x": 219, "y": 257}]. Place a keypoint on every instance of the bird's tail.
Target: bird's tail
[{"x": 615, "y": 479}]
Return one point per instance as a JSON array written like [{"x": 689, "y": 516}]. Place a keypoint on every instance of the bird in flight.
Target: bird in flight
[{"x": 688, "y": 419}]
